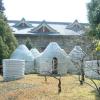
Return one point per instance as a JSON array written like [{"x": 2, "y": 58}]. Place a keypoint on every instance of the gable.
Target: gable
[
  {"x": 22, "y": 24},
  {"x": 75, "y": 26},
  {"x": 43, "y": 28}
]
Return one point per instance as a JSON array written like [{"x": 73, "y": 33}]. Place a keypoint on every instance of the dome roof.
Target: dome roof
[
  {"x": 35, "y": 52},
  {"x": 77, "y": 53},
  {"x": 22, "y": 52},
  {"x": 53, "y": 50}
]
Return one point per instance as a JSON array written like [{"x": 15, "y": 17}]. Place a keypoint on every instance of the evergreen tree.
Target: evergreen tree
[
  {"x": 7, "y": 40},
  {"x": 94, "y": 18},
  {"x": 28, "y": 43},
  {"x": 1, "y": 7}
]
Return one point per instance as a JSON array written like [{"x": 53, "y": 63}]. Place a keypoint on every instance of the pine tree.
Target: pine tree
[{"x": 7, "y": 40}]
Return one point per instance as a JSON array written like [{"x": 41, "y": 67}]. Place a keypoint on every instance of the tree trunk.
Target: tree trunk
[
  {"x": 45, "y": 78},
  {"x": 82, "y": 72},
  {"x": 59, "y": 86}
]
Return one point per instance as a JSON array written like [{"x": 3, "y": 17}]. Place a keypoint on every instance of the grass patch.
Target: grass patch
[{"x": 34, "y": 87}]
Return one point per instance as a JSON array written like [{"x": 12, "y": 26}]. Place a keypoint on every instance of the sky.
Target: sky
[{"x": 49, "y": 10}]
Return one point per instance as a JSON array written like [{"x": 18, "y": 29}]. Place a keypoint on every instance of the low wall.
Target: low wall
[{"x": 92, "y": 70}]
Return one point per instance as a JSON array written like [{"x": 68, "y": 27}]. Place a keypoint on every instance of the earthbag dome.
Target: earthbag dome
[
  {"x": 45, "y": 60},
  {"x": 22, "y": 53}
]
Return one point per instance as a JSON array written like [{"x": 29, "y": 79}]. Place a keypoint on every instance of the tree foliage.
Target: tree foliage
[
  {"x": 94, "y": 12},
  {"x": 28, "y": 43},
  {"x": 94, "y": 18},
  {"x": 7, "y": 40},
  {"x": 1, "y": 7}
]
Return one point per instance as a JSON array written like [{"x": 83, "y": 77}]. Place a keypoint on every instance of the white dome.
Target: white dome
[
  {"x": 23, "y": 53},
  {"x": 35, "y": 52},
  {"x": 53, "y": 50},
  {"x": 77, "y": 53}
]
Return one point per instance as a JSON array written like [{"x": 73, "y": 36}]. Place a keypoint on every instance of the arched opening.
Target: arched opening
[{"x": 54, "y": 65}]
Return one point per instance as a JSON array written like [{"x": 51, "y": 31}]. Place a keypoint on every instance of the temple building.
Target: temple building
[{"x": 41, "y": 33}]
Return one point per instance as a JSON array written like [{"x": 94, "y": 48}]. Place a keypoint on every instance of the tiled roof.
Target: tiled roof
[{"x": 52, "y": 28}]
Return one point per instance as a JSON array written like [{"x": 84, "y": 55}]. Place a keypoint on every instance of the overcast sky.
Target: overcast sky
[{"x": 49, "y": 10}]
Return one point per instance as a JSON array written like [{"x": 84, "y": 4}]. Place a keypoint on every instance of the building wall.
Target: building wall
[{"x": 66, "y": 42}]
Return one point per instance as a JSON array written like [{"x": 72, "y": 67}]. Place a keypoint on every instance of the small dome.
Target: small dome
[
  {"x": 53, "y": 49},
  {"x": 35, "y": 52},
  {"x": 77, "y": 53},
  {"x": 23, "y": 53}
]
